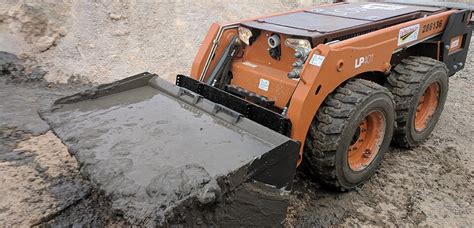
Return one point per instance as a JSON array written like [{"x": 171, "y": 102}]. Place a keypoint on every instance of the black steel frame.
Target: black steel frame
[{"x": 259, "y": 114}]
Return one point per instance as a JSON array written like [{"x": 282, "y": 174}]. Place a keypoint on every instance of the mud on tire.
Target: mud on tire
[
  {"x": 336, "y": 130},
  {"x": 419, "y": 86}
]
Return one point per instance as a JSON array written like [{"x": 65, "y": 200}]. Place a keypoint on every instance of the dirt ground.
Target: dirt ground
[{"x": 83, "y": 42}]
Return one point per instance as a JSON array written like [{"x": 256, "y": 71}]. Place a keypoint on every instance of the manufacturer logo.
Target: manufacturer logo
[
  {"x": 408, "y": 34},
  {"x": 364, "y": 60}
]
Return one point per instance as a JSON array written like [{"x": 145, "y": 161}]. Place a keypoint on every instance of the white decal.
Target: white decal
[
  {"x": 346, "y": 11},
  {"x": 364, "y": 60},
  {"x": 378, "y": 6},
  {"x": 317, "y": 60},
  {"x": 408, "y": 34},
  {"x": 264, "y": 84},
  {"x": 454, "y": 43},
  {"x": 350, "y": 9}
]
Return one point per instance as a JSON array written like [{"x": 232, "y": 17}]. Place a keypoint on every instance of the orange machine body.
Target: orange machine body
[{"x": 328, "y": 65}]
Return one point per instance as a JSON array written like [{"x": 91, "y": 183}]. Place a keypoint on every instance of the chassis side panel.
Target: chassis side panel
[{"x": 349, "y": 58}]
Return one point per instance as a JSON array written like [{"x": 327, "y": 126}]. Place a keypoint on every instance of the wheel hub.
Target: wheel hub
[
  {"x": 366, "y": 141},
  {"x": 427, "y": 106}
]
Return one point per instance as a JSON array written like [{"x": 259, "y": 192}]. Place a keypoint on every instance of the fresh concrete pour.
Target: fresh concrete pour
[{"x": 158, "y": 161}]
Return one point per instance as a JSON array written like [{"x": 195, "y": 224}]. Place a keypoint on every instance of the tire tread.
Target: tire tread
[
  {"x": 325, "y": 131},
  {"x": 403, "y": 83}
]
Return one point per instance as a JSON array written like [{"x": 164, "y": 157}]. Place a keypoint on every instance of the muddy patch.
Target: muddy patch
[
  {"x": 39, "y": 176},
  {"x": 431, "y": 185},
  {"x": 37, "y": 24},
  {"x": 18, "y": 70}
]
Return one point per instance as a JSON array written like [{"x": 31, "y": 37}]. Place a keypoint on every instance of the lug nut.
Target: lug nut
[{"x": 367, "y": 153}]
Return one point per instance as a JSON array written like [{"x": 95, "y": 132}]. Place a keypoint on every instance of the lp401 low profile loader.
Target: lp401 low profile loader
[{"x": 328, "y": 88}]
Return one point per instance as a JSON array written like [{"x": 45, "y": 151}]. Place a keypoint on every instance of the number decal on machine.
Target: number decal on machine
[
  {"x": 364, "y": 60},
  {"x": 408, "y": 34},
  {"x": 433, "y": 25}
]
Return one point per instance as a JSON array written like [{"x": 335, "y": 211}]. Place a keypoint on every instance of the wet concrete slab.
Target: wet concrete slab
[{"x": 148, "y": 154}]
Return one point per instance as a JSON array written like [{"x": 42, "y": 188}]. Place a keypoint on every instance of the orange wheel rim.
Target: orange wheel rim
[
  {"x": 366, "y": 142},
  {"x": 427, "y": 106}
]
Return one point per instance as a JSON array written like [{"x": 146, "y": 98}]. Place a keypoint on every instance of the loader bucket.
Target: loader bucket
[{"x": 159, "y": 154}]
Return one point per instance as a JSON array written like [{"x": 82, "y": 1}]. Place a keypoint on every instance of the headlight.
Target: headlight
[
  {"x": 245, "y": 34},
  {"x": 298, "y": 43},
  {"x": 274, "y": 41}
]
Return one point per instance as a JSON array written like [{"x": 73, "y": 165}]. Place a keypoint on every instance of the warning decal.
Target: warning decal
[
  {"x": 408, "y": 34},
  {"x": 264, "y": 84},
  {"x": 317, "y": 60}
]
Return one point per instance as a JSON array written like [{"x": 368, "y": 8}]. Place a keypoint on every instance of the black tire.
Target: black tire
[
  {"x": 408, "y": 82},
  {"x": 333, "y": 128}
]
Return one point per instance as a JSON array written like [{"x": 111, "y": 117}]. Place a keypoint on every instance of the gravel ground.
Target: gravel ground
[
  {"x": 431, "y": 185},
  {"x": 94, "y": 42}
]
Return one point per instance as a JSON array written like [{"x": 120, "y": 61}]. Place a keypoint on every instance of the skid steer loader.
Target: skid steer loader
[{"x": 328, "y": 88}]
